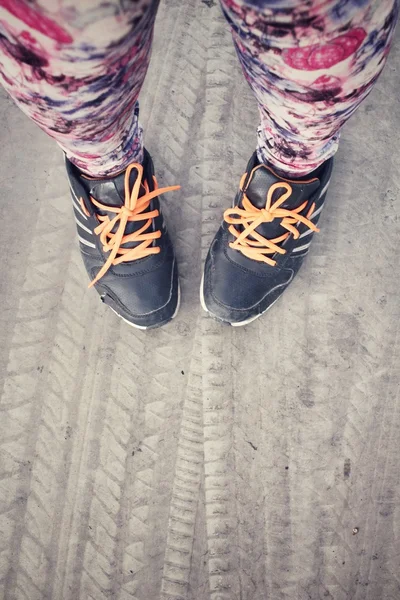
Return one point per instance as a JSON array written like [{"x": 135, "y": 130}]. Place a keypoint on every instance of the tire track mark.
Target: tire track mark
[
  {"x": 78, "y": 527},
  {"x": 145, "y": 497},
  {"x": 22, "y": 401},
  {"x": 173, "y": 119},
  {"x": 19, "y": 197},
  {"x": 57, "y": 427},
  {"x": 198, "y": 587},
  {"x": 185, "y": 488},
  {"x": 182, "y": 141},
  {"x": 220, "y": 492},
  {"x": 121, "y": 409}
]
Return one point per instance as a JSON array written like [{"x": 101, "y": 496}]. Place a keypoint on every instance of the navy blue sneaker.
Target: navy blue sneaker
[
  {"x": 262, "y": 242},
  {"x": 124, "y": 243}
]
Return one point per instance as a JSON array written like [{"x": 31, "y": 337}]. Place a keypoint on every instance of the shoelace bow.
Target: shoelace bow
[
  {"x": 250, "y": 217},
  {"x": 132, "y": 210}
]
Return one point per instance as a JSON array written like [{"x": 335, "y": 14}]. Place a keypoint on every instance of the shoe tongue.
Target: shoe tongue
[
  {"x": 111, "y": 192},
  {"x": 261, "y": 180}
]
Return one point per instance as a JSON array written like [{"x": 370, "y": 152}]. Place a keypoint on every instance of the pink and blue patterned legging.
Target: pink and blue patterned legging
[{"x": 76, "y": 68}]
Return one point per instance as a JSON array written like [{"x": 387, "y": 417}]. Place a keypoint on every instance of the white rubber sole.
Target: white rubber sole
[
  {"x": 241, "y": 323},
  {"x": 146, "y": 328}
]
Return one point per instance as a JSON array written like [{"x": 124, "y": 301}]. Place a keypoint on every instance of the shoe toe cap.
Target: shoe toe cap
[
  {"x": 234, "y": 293},
  {"x": 145, "y": 299}
]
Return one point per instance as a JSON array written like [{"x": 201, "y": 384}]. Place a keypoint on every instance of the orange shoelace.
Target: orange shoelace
[
  {"x": 132, "y": 210},
  {"x": 250, "y": 217}
]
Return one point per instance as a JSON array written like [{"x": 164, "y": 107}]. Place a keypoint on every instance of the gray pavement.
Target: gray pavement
[{"x": 199, "y": 462}]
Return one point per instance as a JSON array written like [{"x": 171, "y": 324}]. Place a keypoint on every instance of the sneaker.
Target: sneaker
[
  {"x": 262, "y": 242},
  {"x": 125, "y": 245}
]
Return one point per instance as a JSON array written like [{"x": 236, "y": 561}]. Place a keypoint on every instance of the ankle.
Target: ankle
[{"x": 289, "y": 172}]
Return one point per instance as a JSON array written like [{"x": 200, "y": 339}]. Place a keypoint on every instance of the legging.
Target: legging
[{"x": 76, "y": 67}]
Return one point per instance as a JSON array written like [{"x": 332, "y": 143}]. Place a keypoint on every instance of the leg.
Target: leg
[
  {"x": 309, "y": 68},
  {"x": 76, "y": 69}
]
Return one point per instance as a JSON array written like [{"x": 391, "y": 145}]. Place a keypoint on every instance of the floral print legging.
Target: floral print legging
[{"x": 76, "y": 68}]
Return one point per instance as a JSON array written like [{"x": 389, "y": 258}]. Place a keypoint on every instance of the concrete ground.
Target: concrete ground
[{"x": 199, "y": 462}]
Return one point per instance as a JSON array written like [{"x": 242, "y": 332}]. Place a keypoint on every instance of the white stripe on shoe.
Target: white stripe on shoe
[
  {"x": 85, "y": 242},
  {"x": 317, "y": 212},
  {"x": 308, "y": 232},
  {"x": 83, "y": 226},
  {"x": 301, "y": 248},
  {"x": 75, "y": 202},
  {"x": 325, "y": 188}
]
